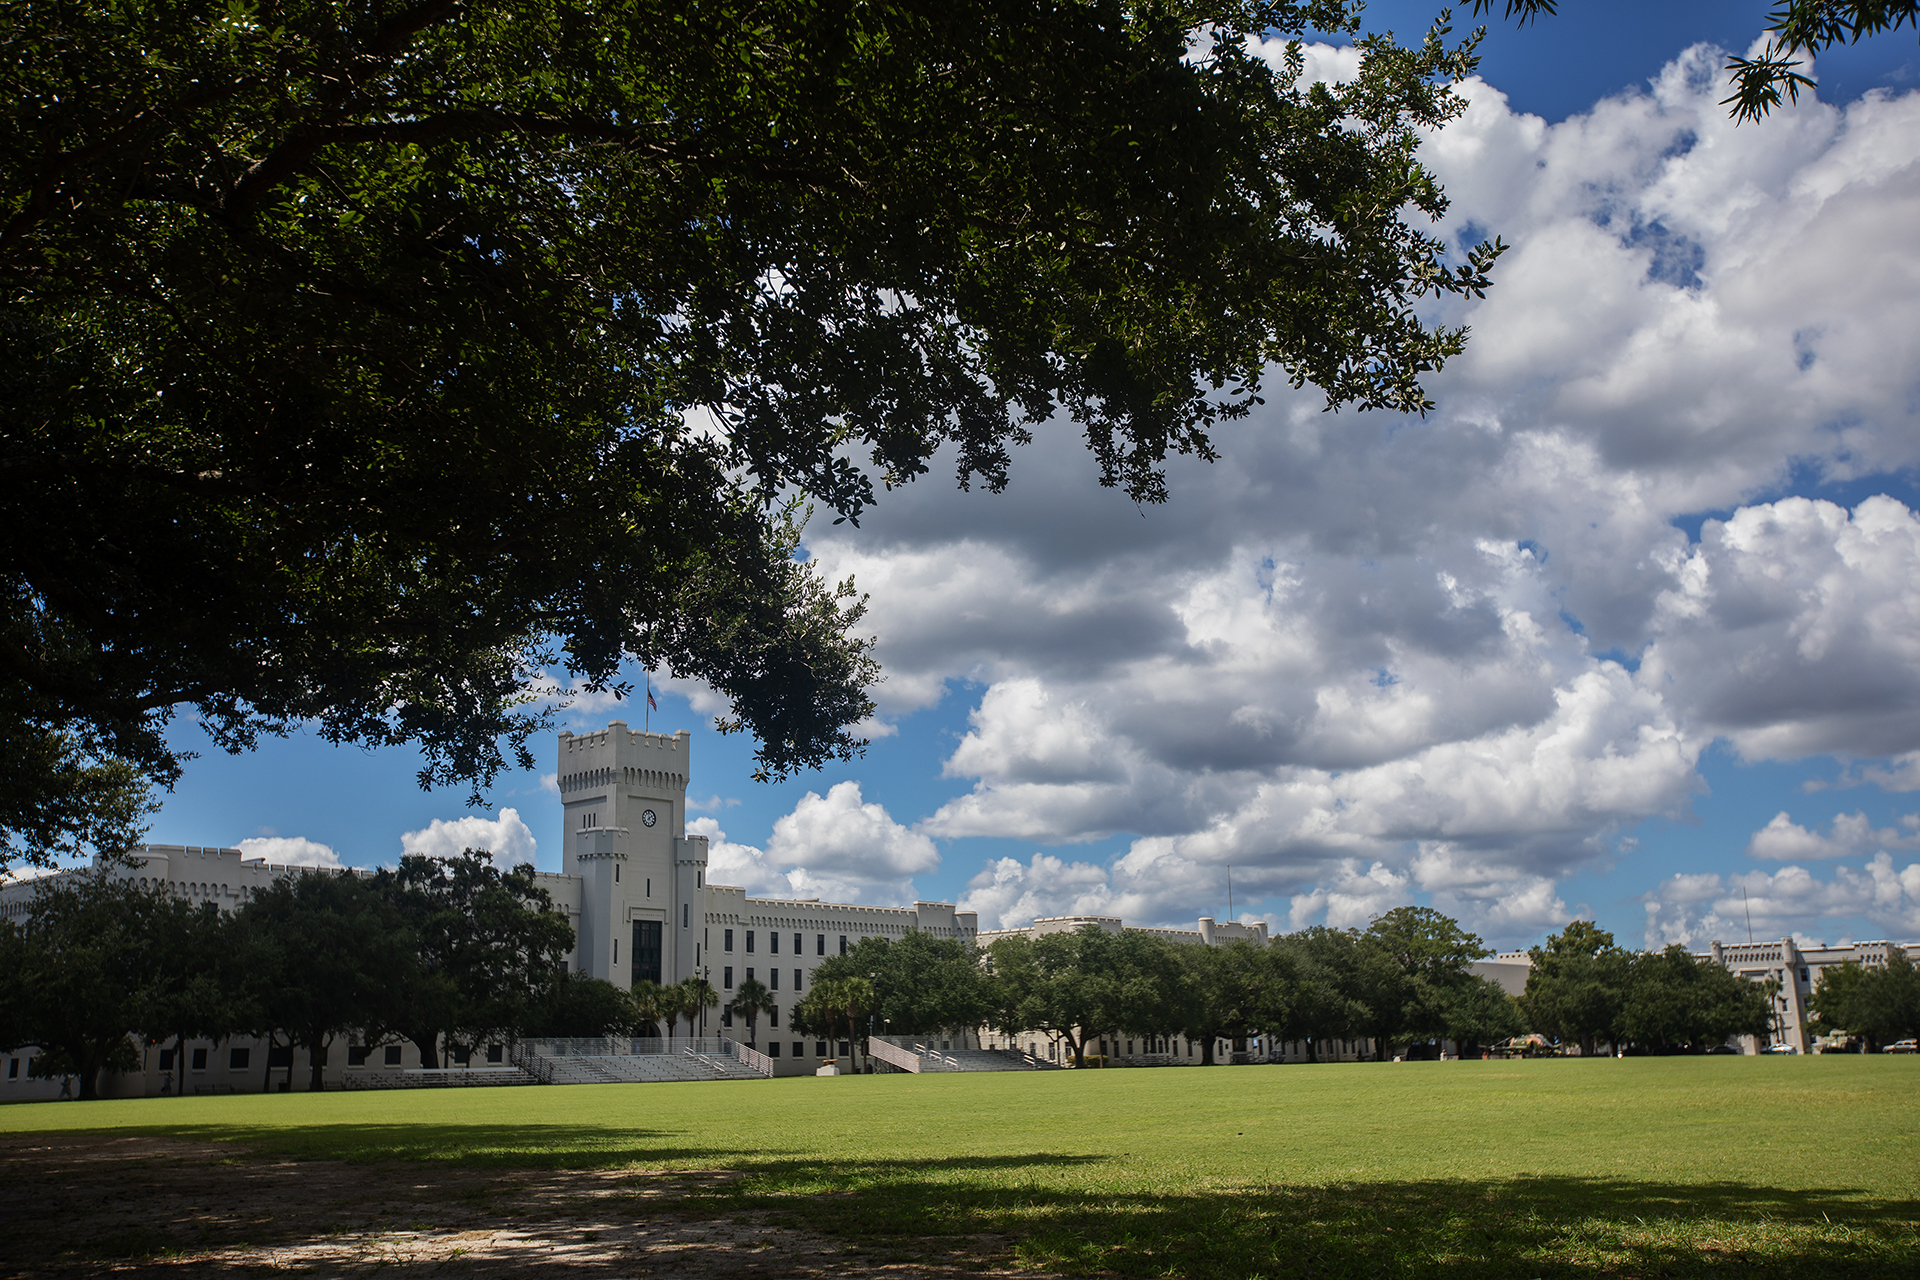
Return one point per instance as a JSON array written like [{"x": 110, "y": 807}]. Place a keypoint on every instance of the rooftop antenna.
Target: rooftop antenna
[{"x": 1749, "y": 910}]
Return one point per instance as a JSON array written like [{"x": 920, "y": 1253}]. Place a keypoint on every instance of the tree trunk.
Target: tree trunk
[
  {"x": 89, "y": 1076},
  {"x": 317, "y": 1063},
  {"x": 428, "y": 1043},
  {"x": 1206, "y": 1050}
]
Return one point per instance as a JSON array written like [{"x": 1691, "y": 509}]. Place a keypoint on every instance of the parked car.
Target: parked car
[
  {"x": 1781, "y": 1048},
  {"x": 1723, "y": 1048},
  {"x": 1903, "y": 1046}
]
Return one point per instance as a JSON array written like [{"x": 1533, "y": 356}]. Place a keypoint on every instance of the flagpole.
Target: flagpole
[{"x": 647, "y": 723}]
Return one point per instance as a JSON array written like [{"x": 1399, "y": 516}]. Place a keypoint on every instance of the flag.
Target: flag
[{"x": 651, "y": 704}]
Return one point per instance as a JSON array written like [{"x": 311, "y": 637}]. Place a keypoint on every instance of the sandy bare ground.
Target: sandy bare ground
[{"x": 93, "y": 1205}]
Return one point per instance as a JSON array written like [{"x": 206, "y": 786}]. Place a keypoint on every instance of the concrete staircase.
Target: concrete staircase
[
  {"x": 604, "y": 1063},
  {"x": 902, "y": 1054}
]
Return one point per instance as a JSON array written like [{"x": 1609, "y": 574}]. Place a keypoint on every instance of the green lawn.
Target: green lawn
[{"x": 1694, "y": 1166}]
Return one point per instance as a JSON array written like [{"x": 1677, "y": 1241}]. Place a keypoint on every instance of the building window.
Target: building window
[
  {"x": 726, "y": 1015},
  {"x": 796, "y": 980},
  {"x": 843, "y": 944},
  {"x": 819, "y": 1048},
  {"x": 649, "y": 886},
  {"x": 686, "y": 916},
  {"x": 726, "y": 939},
  {"x": 616, "y": 951},
  {"x": 279, "y": 1055},
  {"x": 356, "y": 1055},
  {"x": 798, "y": 949},
  {"x": 846, "y": 1050},
  {"x": 166, "y": 1063},
  {"x": 773, "y": 1016},
  {"x": 773, "y": 944},
  {"x": 199, "y": 1061},
  {"x": 749, "y": 942},
  {"x": 1803, "y": 974},
  {"x": 773, "y": 979},
  {"x": 646, "y": 950},
  {"x": 749, "y": 975},
  {"x": 616, "y": 873},
  {"x": 773, "y": 1048},
  {"x": 728, "y": 975},
  {"x": 13, "y": 1067},
  {"x": 820, "y": 944},
  {"x": 393, "y": 1055},
  {"x": 495, "y": 1052},
  {"x": 237, "y": 1059}
]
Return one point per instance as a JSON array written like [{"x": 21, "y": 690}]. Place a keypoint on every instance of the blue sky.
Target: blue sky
[{"x": 1622, "y": 630}]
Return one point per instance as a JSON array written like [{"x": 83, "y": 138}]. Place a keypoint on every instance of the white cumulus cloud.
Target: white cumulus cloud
[
  {"x": 837, "y": 847},
  {"x": 292, "y": 851},
  {"x": 505, "y": 836}
]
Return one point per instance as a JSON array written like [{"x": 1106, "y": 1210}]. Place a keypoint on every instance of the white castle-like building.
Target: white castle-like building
[{"x": 635, "y": 887}]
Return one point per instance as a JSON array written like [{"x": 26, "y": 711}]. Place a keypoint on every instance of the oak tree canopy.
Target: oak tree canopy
[{"x": 364, "y": 359}]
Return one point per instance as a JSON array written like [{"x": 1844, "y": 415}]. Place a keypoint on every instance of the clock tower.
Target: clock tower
[{"x": 642, "y": 878}]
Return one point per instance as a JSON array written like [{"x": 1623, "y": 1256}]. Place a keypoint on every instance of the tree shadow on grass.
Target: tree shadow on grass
[
  {"x": 1530, "y": 1227},
  {"x": 1091, "y": 1213}
]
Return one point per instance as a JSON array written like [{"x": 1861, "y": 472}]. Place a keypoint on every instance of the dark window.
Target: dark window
[
  {"x": 686, "y": 915},
  {"x": 726, "y": 1015},
  {"x": 773, "y": 1048},
  {"x": 393, "y": 1055},
  {"x": 773, "y": 944},
  {"x": 843, "y": 944},
  {"x": 819, "y": 1048},
  {"x": 616, "y": 873},
  {"x": 1803, "y": 974},
  {"x": 773, "y": 979},
  {"x": 728, "y": 980},
  {"x": 820, "y": 944},
  {"x": 749, "y": 942},
  {"x": 13, "y": 1066},
  {"x": 495, "y": 1052},
  {"x": 463, "y": 1055},
  {"x": 797, "y": 945},
  {"x": 799, "y": 1048},
  {"x": 749, "y": 975},
  {"x": 845, "y": 1049},
  {"x": 646, "y": 950},
  {"x": 727, "y": 939},
  {"x": 199, "y": 1062},
  {"x": 166, "y": 1062},
  {"x": 616, "y": 951},
  {"x": 280, "y": 1055},
  {"x": 773, "y": 1016},
  {"x": 796, "y": 978},
  {"x": 237, "y": 1059},
  {"x": 357, "y": 1055}
]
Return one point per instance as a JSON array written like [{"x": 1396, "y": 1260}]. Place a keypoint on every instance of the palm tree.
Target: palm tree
[
  {"x": 816, "y": 1014},
  {"x": 649, "y": 1004},
  {"x": 751, "y": 1000},
  {"x": 854, "y": 996},
  {"x": 696, "y": 996}
]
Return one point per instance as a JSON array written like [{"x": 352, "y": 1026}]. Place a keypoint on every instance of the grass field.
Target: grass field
[{"x": 1636, "y": 1167}]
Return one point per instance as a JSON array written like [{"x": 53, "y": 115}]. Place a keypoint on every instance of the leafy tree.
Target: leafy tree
[
  {"x": 751, "y": 999},
  {"x": 921, "y": 983},
  {"x": 1881, "y": 1003},
  {"x": 194, "y": 989},
  {"x": 1411, "y": 966},
  {"x": 1577, "y": 986},
  {"x": 1482, "y": 1013},
  {"x": 579, "y": 1007},
  {"x": 1066, "y": 984},
  {"x": 383, "y": 372},
  {"x": 1833, "y": 1001},
  {"x": 79, "y": 975},
  {"x": 1677, "y": 1002},
  {"x": 1797, "y": 27},
  {"x": 331, "y": 955},
  {"x": 1326, "y": 1004},
  {"x": 1228, "y": 991},
  {"x": 62, "y": 797},
  {"x": 486, "y": 943}
]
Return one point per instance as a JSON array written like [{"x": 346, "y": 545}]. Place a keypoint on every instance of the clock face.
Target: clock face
[{"x": 647, "y": 818}]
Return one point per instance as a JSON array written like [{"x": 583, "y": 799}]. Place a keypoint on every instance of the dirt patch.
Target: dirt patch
[{"x": 92, "y": 1205}]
